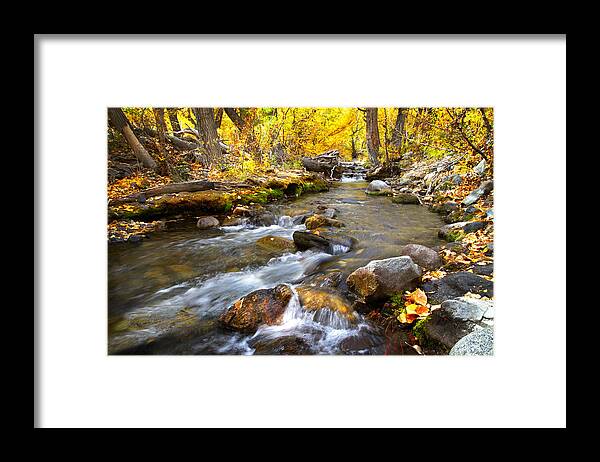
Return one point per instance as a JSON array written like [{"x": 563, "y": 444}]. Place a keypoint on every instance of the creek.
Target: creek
[{"x": 166, "y": 292}]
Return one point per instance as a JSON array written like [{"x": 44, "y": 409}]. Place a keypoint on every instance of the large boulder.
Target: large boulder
[
  {"x": 484, "y": 188},
  {"x": 382, "y": 278},
  {"x": 477, "y": 343},
  {"x": 326, "y": 242},
  {"x": 263, "y": 306},
  {"x": 423, "y": 256},
  {"x": 456, "y": 285},
  {"x": 318, "y": 221},
  {"x": 207, "y": 223},
  {"x": 455, "y": 319},
  {"x": 379, "y": 188},
  {"x": 405, "y": 198},
  {"x": 276, "y": 244}
]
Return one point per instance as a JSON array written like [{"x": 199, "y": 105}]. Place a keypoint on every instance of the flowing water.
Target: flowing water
[{"x": 166, "y": 292}]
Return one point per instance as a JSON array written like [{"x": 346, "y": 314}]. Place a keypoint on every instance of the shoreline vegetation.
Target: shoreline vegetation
[{"x": 225, "y": 166}]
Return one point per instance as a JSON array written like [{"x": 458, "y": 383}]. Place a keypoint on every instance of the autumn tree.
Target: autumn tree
[
  {"x": 172, "y": 112},
  {"x": 119, "y": 121},
  {"x": 398, "y": 133},
  {"x": 372, "y": 134},
  {"x": 207, "y": 129},
  {"x": 245, "y": 127},
  {"x": 161, "y": 128}
]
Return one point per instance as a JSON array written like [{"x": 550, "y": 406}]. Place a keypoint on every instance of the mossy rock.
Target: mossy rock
[
  {"x": 318, "y": 221},
  {"x": 454, "y": 236},
  {"x": 405, "y": 198},
  {"x": 276, "y": 243},
  {"x": 419, "y": 330},
  {"x": 182, "y": 203}
]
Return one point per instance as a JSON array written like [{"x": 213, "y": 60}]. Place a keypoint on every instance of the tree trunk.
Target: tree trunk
[
  {"x": 208, "y": 131},
  {"x": 173, "y": 119},
  {"x": 119, "y": 120},
  {"x": 354, "y": 152},
  {"x": 373, "y": 142},
  {"x": 235, "y": 118},
  {"x": 398, "y": 134},
  {"x": 219, "y": 117},
  {"x": 161, "y": 128}
]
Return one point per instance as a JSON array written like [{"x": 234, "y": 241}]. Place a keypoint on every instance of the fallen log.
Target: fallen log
[
  {"x": 328, "y": 165},
  {"x": 182, "y": 144},
  {"x": 190, "y": 186}
]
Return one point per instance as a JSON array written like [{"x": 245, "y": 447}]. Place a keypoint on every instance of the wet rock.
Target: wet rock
[
  {"x": 232, "y": 221},
  {"x": 362, "y": 344},
  {"x": 379, "y": 188},
  {"x": 361, "y": 307},
  {"x": 305, "y": 240},
  {"x": 323, "y": 298},
  {"x": 287, "y": 345},
  {"x": 405, "y": 198},
  {"x": 317, "y": 221},
  {"x": 207, "y": 223},
  {"x": 382, "y": 278},
  {"x": 241, "y": 211},
  {"x": 473, "y": 226},
  {"x": 332, "y": 280},
  {"x": 299, "y": 219},
  {"x": 456, "y": 285},
  {"x": 326, "y": 242},
  {"x": 423, "y": 256},
  {"x": 484, "y": 189},
  {"x": 263, "y": 306},
  {"x": 276, "y": 243},
  {"x": 329, "y": 213},
  {"x": 265, "y": 219},
  {"x": 477, "y": 343}
]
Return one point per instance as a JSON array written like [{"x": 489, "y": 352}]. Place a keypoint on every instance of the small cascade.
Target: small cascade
[
  {"x": 353, "y": 171},
  {"x": 296, "y": 314},
  {"x": 338, "y": 249},
  {"x": 285, "y": 221}
]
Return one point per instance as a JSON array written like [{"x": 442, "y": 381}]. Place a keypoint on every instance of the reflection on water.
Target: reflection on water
[{"x": 165, "y": 292}]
